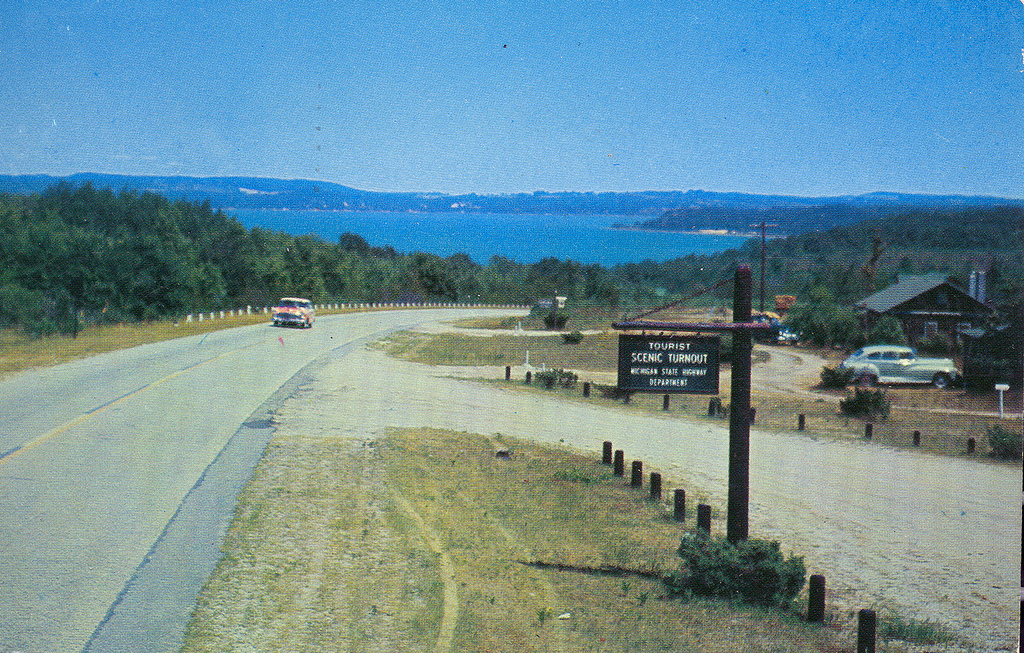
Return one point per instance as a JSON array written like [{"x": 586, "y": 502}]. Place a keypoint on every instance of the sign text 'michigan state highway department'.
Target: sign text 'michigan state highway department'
[{"x": 669, "y": 364}]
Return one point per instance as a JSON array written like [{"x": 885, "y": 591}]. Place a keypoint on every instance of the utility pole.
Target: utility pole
[{"x": 764, "y": 239}]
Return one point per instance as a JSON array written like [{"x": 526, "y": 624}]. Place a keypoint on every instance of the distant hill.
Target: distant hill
[{"x": 670, "y": 210}]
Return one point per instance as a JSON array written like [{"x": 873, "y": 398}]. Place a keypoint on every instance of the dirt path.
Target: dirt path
[{"x": 934, "y": 537}]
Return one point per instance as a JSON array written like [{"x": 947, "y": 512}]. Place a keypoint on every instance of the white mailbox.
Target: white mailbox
[{"x": 1001, "y": 387}]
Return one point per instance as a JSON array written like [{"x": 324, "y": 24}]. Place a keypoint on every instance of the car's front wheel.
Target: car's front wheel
[{"x": 941, "y": 380}]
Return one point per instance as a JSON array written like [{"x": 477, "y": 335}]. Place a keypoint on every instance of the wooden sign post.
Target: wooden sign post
[
  {"x": 736, "y": 525},
  {"x": 647, "y": 377}
]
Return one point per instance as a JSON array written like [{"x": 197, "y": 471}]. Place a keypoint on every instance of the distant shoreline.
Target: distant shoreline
[
  {"x": 697, "y": 232},
  {"x": 617, "y": 226}
]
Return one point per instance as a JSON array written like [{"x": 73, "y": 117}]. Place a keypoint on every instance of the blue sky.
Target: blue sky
[{"x": 801, "y": 97}]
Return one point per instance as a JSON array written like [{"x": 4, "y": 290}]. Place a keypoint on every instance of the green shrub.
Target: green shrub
[
  {"x": 914, "y": 630},
  {"x": 938, "y": 345},
  {"x": 716, "y": 408},
  {"x": 836, "y": 377},
  {"x": 754, "y": 571},
  {"x": 866, "y": 403},
  {"x": 611, "y": 391},
  {"x": 555, "y": 320},
  {"x": 572, "y": 338},
  {"x": 1004, "y": 443},
  {"x": 887, "y": 331},
  {"x": 551, "y": 378},
  {"x": 825, "y": 323}
]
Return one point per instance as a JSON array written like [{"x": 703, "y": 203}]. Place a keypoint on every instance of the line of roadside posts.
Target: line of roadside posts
[
  {"x": 616, "y": 458},
  {"x": 336, "y": 306}
]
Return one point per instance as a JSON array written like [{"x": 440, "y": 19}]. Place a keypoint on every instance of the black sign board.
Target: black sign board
[{"x": 668, "y": 364}]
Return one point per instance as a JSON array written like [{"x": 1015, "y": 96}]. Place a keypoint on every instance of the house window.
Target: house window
[{"x": 931, "y": 329}]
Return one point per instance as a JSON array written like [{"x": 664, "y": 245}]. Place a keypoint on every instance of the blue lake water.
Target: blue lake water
[{"x": 523, "y": 238}]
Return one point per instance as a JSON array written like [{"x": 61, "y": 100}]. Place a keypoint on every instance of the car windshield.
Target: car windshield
[{"x": 290, "y": 303}]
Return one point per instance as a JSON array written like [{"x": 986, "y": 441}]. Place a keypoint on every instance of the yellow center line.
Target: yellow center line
[{"x": 96, "y": 411}]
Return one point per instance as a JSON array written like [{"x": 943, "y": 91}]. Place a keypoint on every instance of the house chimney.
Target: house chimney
[{"x": 977, "y": 285}]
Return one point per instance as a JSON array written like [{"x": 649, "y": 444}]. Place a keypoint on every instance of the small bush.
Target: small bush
[
  {"x": 612, "y": 391},
  {"x": 572, "y": 338},
  {"x": 836, "y": 377},
  {"x": 716, "y": 408},
  {"x": 551, "y": 378},
  {"x": 938, "y": 345},
  {"x": 754, "y": 571},
  {"x": 555, "y": 321},
  {"x": 887, "y": 331},
  {"x": 866, "y": 403},
  {"x": 1004, "y": 443},
  {"x": 914, "y": 630}
]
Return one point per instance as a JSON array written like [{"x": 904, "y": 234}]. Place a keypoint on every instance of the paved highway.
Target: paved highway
[{"x": 118, "y": 475}]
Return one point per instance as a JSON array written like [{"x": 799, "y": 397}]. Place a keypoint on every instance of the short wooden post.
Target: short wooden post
[
  {"x": 620, "y": 463},
  {"x": 704, "y": 517},
  {"x": 869, "y": 430},
  {"x": 679, "y": 505},
  {"x": 753, "y": 415},
  {"x": 508, "y": 372},
  {"x": 606, "y": 453},
  {"x": 529, "y": 377},
  {"x": 711, "y": 408},
  {"x": 628, "y": 398},
  {"x": 801, "y": 422},
  {"x": 917, "y": 438},
  {"x": 637, "y": 477},
  {"x": 655, "y": 486},
  {"x": 866, "y": 624},
  {"x": 970, "y": 446},
  {"x": 664, "y": 403},
  {"x": 816, "y": 599},
  {"x": 586, "y": 390}
]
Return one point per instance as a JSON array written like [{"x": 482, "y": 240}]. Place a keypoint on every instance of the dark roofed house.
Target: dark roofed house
[{"x": 926, "y": 305}]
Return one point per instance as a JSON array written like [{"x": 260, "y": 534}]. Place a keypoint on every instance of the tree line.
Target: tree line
[{"x": 75, "y": 254}]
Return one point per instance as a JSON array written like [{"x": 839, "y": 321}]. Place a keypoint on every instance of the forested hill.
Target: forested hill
[
  {"x": 685, "y": 210},
  {"x": 850, "y": 262}
]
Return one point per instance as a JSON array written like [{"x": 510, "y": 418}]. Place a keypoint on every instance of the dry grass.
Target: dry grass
[
  {"x": 318, "y": 558},
  {"x": 337, "y": 546}
]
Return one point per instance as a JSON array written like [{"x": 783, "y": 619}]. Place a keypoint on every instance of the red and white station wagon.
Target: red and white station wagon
[{"x": 294, "y": 311}]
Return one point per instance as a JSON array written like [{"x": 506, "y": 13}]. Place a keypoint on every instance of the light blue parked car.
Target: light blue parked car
[{"x": 897, "y": 364}]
